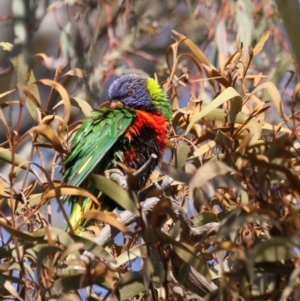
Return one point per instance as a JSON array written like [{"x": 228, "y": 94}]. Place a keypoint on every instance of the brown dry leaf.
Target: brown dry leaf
[
  {"x": 228, "y": 245},
  {"x": 174, "y": 98},
  {"x": 106, "y": 218},
  {"x": 253, "y": 131},
  {"x": 3, "y": 123},
  {"x": 49, "y": 118},
  {"x": 155, "y": 175},
  {"x": 63, "y": 93},
  {"x": 227, "y": 94},
  {"x": 48, "y": 132},
  {"x": 6, "y": 46},
  {"x": 297, "y": 89},
  {"x": 257, "y": 78},
  {"x": 160, "y": 208},
  {"x": 276, "y": 128},
  {"x": 67, "y": 190},
  {"x": 275, "y": 96},
  {"x": 235, "y": 57},
  {"x": 185, "y": 111},
  {"x": 29, "y": 94},
  {"x": 76, "y": 72},
  {"x": 222, "y": 61},
  {"x": 194, "y": 48},
  {"x": 260, "y": 45},
  {"x": 7, "y": 93},
  {"x": 3, "y": 193},
  {"x": 182, "y": 120},
  {"x": 9, "y": 103},
  {"x": 257, "y": 100},
  {"x": 203, "y": 149},
  {"x": 102, "y": 269},
  {"x": 171, "y": 67},
  {"x": 42, "y": 56},
  {"x": 81, "y": 104}
]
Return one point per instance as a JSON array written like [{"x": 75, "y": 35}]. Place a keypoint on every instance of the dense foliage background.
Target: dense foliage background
[{"x": 227, "y": 227}]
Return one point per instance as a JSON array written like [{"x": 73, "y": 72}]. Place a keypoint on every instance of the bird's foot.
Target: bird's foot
[{"x": 117, "y": 176}]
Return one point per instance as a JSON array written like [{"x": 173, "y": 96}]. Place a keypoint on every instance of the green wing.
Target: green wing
[{"x": 97, "y": 135}]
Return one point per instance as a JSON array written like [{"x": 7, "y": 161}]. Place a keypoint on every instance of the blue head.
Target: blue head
[
  {"x": 139, "y": 92},
  {"x": 131, "y": 91}
]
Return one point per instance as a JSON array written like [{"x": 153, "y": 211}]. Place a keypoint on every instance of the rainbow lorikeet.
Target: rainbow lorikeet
[{"x": 129, "y": 131}]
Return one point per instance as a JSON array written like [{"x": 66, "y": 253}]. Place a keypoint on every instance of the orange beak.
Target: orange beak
[{"x": 115, "y": 104}]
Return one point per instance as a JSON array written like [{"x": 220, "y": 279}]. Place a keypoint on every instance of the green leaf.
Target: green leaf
[
  {"x": 276, "y": 249},
  {"x": 204, "y": 218},
  {"x": 92, "y": 247},
  {"x": 131, "y": 254},
  {"x": 176, "y": 230},
  {"x": 181, "y": 154},
  {"x": 73, "y": 283},
  {"x": 7, "y": 156},
  {"x": 19, "y": 234},
  {"x": 33, "y": 99},
  {"x": 44, "y": 251},
  {"x": 63, "y": 237},
  {"x": 27, "y": 268},
  {"x": 289, "y": 288},
  {"x": 131, "y": 285},
  {"x": 115, "y": 192},
  {"x": 6, "y": 283},
  {"x": 175, "y": 174}
]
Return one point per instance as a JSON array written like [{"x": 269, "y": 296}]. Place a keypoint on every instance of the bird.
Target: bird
[{"x": 133, "y": 127}]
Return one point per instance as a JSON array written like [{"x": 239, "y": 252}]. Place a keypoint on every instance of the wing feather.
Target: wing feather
[{"x": 97, "y": 135}]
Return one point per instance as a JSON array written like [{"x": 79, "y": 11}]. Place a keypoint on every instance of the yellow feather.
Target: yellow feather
[
  {"x": 76, "y": 215},
  {"x": 84, "y": 165}
]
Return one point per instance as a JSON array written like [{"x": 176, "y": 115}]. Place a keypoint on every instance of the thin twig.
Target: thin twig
[
  {"x": 189, "y": 230},
  {"x": 194, "y": 281},
  {"x": 137, "y": 174}
]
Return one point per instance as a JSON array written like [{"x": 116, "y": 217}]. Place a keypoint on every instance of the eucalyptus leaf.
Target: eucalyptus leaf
[
  {"x": 115, "y": 192},
  {"x": 181, "y": 154}
]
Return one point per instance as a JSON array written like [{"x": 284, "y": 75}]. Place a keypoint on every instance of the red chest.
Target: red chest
[
  {"x": 147, "y": 135},
  {"x": 157, "y": 123}
]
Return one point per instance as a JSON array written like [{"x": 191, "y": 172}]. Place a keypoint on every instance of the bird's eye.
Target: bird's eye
[{"x": 130, "y": 91}]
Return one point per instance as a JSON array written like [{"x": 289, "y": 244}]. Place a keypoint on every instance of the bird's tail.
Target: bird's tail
[{"x": 78, "y": 209}]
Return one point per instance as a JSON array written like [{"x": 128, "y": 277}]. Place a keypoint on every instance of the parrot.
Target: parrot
[{"x": 134, "y": 126}]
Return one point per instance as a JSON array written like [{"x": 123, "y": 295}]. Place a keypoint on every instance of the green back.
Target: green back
[{"x": 97, "y": 135}]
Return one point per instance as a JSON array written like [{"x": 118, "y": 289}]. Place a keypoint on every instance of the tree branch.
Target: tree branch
[
  {"x": 194, "y": 281},
  {"x": 190, "y": 233}
]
